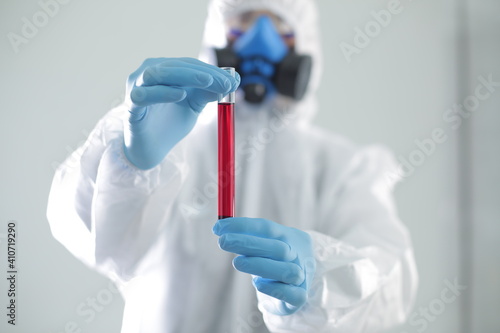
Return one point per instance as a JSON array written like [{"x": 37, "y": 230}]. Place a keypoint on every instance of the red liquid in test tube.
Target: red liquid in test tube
[{"x": 226, "y": 153}]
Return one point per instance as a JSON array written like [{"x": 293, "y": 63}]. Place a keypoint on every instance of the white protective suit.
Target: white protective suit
[{"x": 150, "y": 231}]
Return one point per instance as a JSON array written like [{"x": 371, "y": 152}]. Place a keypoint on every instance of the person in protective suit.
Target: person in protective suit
[{"x": 319, "y": 246}]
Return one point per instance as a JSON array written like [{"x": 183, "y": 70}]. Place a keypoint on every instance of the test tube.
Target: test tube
[{"x": 226, "y": 152}]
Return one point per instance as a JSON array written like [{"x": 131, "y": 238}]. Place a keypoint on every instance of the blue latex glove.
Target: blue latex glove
[
  {"x": 281, "y": 257},
  {"x": 165, "y": 97}
]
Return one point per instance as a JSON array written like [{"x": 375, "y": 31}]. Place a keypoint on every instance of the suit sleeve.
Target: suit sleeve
[
  {"x": 366, "y": 277},
  {"x": 103, "y": 209}
]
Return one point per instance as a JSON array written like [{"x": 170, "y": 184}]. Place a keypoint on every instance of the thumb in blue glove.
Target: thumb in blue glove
[
  {"x": 281, "y": 258},
  {"x": 164, "y": 97}
]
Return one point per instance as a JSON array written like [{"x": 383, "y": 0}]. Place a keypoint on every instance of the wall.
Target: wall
[{"x": 395, "y": 90}]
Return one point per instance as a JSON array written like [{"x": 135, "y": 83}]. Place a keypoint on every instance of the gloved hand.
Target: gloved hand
[
  {"x": 165, "y": 97},
  {"x": 281, "y": 257}
]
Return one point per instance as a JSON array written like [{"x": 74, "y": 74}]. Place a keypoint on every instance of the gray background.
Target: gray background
[{"x": 395, "y": 92}]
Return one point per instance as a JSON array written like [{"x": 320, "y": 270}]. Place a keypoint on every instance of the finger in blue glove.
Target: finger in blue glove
[
  {"x": 164, "y": 97},
  {"x": 281, "y": 258}
]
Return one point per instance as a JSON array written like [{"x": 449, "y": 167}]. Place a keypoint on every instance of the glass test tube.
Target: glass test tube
[{"x": 226, "y": 152}]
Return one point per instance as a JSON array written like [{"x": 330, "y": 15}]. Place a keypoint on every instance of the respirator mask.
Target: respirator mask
[{"x": 267, "y": 65}]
